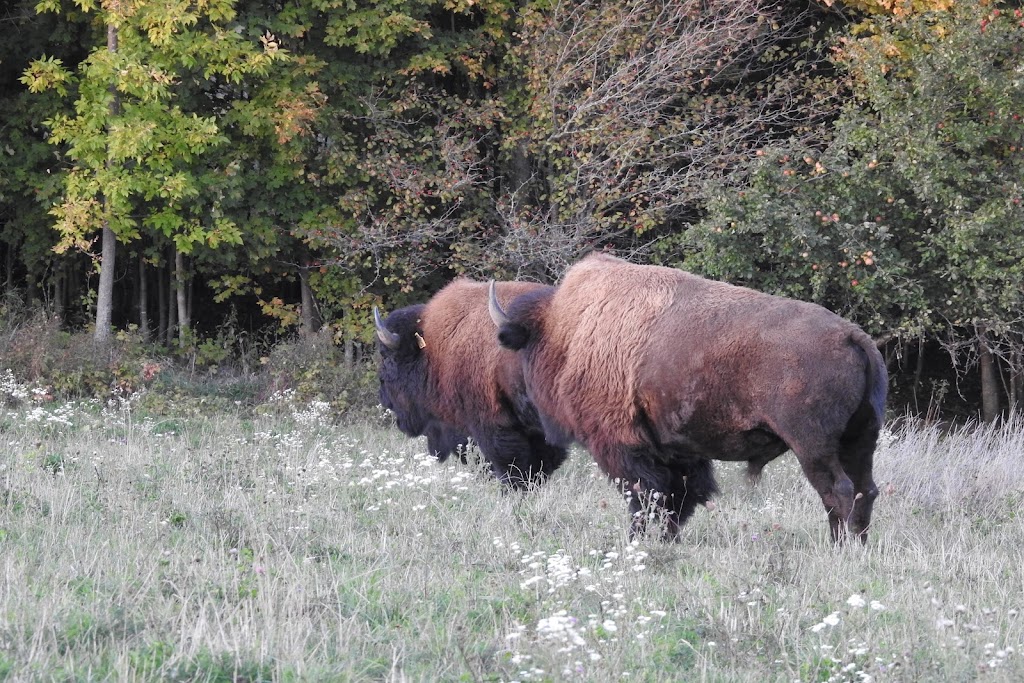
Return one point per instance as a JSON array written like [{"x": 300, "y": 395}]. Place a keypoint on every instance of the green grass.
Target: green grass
[{"x": 283, "y": 547}]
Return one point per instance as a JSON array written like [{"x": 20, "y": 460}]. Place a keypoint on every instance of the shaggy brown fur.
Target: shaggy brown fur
[
  {"x": 657, "y": 372},
  {"x": 443, "y": 375}
]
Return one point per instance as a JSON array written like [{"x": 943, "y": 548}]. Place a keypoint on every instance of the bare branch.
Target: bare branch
[{"x": 641, "y": 102}]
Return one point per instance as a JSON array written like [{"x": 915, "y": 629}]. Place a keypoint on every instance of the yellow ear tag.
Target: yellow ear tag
[{"x": 419, "y": 340}]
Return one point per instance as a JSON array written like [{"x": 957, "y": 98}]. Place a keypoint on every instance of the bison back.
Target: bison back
[{"x": 475, "y": 380}]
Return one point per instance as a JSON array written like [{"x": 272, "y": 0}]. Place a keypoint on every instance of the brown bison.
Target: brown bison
[
  {"x": 444, "y": 376},
  {"x": 658, "y": 372}
]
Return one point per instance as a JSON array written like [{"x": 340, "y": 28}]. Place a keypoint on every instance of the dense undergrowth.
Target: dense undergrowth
[{"x": 226, "y": 370}]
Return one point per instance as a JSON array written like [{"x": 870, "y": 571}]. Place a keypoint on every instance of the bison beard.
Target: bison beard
[
  {"x": 658, "y": 372},
  {"x": 443, "y": 376}
]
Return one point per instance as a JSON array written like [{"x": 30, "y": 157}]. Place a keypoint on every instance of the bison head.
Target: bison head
[
  {"x": 518, "y": 325},
  {"x": 403, "y": 381},
  {"x": 403, "y": 369}
]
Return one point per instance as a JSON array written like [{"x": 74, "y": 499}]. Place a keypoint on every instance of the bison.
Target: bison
[
  {"x": 443, "y": 375},
  {"x": 658, "y": 372}
]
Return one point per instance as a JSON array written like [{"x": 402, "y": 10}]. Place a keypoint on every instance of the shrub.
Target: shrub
[
  {"x": 71, "y": 365},
  {"x": 314, "y": 368}
]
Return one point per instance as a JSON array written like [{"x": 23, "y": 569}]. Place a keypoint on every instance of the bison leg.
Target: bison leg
[
  {"x": 550, "y": 457},
  {"x": 857, "y": 455},
  {"x": 442, "y": 441},
  {"x": 655, "y": 489},
  {"x": 821, "y": 466},
  {"x": 518, "y": 459}
]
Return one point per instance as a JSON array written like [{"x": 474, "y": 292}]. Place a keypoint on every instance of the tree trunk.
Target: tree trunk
[
  {"x": 310, "y": 316},
  {"x": 31, "y": 291},
  {"x": 989, "y": 380},
  {"x": 9, "y": 269},
  {"x": 172, "y": 309},
  {"x": 105, "y": 294},
  {"x": 161, "y": 304},
  {"x": 143, "y": 300},
  {"x": 1016, "y": 377},
  {"x": 918, "y": 370},
  {"x": 521, "y": 170},
  {"x": 184, "y": 325},
  {"x": 1014, "y": 390},
  {"x": 76, "y": 282},
  {"x": 60, "y": 285},
  {"x": 350, "y": 353}
]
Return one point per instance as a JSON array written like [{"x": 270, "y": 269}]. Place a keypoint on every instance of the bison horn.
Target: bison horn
[
  {"x": 387, "y": 337},
  {"x": 497, "y": 315}
]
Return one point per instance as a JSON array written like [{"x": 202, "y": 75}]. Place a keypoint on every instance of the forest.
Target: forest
[{"x": 186, "y": 173}]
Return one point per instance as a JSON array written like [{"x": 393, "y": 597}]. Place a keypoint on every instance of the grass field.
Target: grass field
[{"x": 284, "y": 546}]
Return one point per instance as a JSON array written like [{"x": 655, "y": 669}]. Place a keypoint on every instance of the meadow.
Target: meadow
[{"x": 287, "y": 544}]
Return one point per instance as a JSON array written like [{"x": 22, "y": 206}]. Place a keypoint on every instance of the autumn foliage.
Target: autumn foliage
[{"x": 295, "y": 164}]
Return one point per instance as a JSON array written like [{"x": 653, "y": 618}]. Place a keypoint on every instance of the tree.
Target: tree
[
  {"x": 29, "y": 173},
  {"x": 401, "y": 159},
  {"x": 910, "y": 219},
  {"x": 136, "y": 154},
  {"x": 945, "y": 114},
  {"x": 630, "y": 108}
]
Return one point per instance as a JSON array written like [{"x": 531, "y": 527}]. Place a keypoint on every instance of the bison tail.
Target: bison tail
[{"x": 877, "y": 376}]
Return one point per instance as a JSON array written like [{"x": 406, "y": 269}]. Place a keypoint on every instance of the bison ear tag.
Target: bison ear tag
[{"x": 419, "y": 340}]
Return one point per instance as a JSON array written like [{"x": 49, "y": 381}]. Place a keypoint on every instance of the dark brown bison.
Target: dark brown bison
[
  {"x": 444, "y": 376},
  {"x": 658, "y": 372}
]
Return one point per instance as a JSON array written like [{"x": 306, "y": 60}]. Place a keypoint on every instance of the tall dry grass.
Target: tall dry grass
[{"x": 285, "y": 547}]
